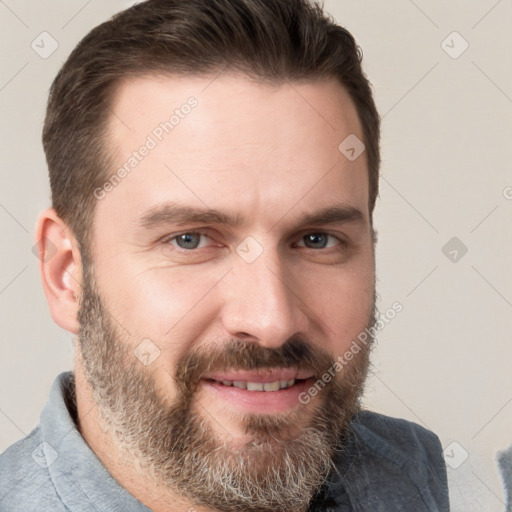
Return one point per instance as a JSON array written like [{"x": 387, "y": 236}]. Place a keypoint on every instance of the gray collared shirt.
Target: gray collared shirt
[{"x": 387, "y": 465}]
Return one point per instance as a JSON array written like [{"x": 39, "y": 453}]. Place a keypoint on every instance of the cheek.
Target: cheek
[
  {"x": 345, "y": 306},
  {"x": 170, "y": 306}
]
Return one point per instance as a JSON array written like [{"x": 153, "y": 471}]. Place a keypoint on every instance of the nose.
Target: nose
[{"x": 263, "y": 303}]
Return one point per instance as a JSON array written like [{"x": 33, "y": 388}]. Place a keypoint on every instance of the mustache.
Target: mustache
[{"x": 237, "y": 354}]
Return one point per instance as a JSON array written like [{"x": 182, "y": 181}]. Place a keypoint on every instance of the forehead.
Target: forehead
[
  {"x": 230, "y": 143},
  {"x": 231, "y": 105}
]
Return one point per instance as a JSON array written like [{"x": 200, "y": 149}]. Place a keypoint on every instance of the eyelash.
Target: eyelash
[{"x": 167, "y": 241}]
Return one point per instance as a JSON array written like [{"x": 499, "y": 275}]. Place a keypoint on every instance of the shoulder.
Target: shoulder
[
  {"x": 504, "y": 459},
  {"x": 391, "y": 462},
  {"x": 25, "y": 482},
  {"x": 397, "y": 437}
]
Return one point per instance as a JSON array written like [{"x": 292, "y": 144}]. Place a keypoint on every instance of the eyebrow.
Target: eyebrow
[
  {"x": 173, "y": 213},
  {"x": 336, "y": 214}
]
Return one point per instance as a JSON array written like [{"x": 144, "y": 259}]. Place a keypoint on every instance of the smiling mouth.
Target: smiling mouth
[
  {"x": 264, "y": 391},
  {"x": 258, "y": 386}
]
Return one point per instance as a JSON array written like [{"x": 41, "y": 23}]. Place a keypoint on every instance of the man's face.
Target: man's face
[{"x": 194, "y": 323}]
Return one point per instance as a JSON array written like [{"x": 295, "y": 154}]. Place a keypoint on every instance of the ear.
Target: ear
[{"x": 60, "y": 266}]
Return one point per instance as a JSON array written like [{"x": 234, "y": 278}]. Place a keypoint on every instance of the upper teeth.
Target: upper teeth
[{"x": 260, "y": 386}]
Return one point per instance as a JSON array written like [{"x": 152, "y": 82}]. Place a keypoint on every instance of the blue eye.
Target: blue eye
[
  {"x": 188, "y": 241},
  {"x": 319, "y": 240}
]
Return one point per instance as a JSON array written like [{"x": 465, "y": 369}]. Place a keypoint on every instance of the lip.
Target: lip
[
  {"x": 261, "y": 375},
  {"x": 258, "y": 402}
]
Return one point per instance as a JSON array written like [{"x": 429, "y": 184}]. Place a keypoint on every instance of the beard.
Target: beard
[{"x": 284, "y": 458}]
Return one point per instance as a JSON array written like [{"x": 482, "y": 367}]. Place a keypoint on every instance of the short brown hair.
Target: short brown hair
[{"x": 270, "y": 40}]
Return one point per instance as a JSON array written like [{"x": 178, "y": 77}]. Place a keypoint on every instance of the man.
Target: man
[{"x": 214, "y": 169}]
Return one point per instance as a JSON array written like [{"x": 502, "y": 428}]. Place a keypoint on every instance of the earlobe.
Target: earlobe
[{"x": 60, "y": 267}]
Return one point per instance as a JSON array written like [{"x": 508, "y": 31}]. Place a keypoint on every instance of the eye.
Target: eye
[
  {"x": 319, "y": 241},
  {"x": 190, "y": 240}
]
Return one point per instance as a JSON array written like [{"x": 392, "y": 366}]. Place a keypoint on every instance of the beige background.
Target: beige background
[{"x": 445, "y": 360}]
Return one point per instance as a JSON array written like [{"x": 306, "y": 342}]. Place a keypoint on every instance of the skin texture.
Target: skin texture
[{"x": 267, "y": 154}]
